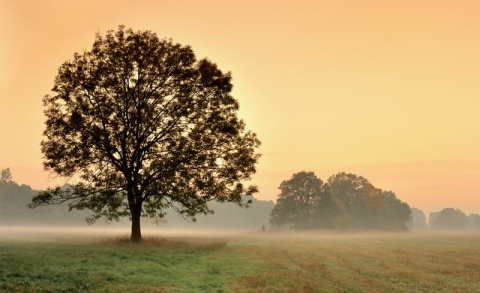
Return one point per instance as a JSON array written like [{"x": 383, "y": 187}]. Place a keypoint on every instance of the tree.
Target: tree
[
  {"x": 448, "y": 219},
  {"x": 345, "y": 201},
  {"x": 5, "y": 180},
  {"x": 419, "y": 221},
  {"x": 396, "y": 214},
  {"x": 298, "y": 201},
  {"x": 473, "y": 222},
  {"x": 13, "y": 201},
  {"x": 5, "y": 176},
  {"x": 363, "y": 206},
  {"x": 359, "y": 201},
  {"x": 142, "y": 125}
]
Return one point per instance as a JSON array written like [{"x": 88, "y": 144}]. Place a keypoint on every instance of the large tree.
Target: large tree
[{"x": 141, "y": 125}]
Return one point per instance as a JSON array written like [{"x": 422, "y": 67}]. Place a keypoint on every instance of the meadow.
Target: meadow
[{"x": 57, "y": 261}]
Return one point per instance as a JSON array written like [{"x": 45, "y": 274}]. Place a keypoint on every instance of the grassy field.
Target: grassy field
[{"x": 242, "y": 262}]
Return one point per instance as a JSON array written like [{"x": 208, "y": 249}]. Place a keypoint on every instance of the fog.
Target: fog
[
  {"x": 52, "y": 233},
  {"x": 97, "y": 259},
  {"x": 98, "y": 234},
  {"x": 17, "y": 220}
]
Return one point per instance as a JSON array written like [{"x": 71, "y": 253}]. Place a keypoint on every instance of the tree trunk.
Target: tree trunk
[{"x": 136, "y": 213}]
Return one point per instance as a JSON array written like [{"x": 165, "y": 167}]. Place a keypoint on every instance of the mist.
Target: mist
[
  {"x": 14, "y": 212},
  {"x": 52, "y": 249}
]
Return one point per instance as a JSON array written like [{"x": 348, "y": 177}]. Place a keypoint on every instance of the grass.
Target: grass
[
  {"x": 115, "y": 265},
  {"x": 368, "y": 263},
  {"x": 255, "y": 262}
]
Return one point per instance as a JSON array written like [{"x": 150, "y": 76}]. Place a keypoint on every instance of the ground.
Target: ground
[{"x": 65, "y": 260}]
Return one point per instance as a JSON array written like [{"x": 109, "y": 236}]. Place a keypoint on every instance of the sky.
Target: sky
[{"x": 388, "y": 90}]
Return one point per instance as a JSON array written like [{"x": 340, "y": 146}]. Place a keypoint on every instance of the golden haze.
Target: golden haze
[{"x": 384, "y": 89}]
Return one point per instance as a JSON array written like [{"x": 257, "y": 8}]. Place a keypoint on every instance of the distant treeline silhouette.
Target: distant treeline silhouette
[
  {"x": 344, "y": 208},
  {"x": 448, "y": 219},
  {"x": 346, "y": 201},
  {"x": 14, "y": 199},
  {"x": 350, "y": 202}
]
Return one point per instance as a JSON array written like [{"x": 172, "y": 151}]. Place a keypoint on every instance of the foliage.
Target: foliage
[
  {"x": 5, "y": 176},
  {"x": 14, "y": 199},
  {"x": 143, "y": 125},
  {"x": 419, "y": 221},
  {"x": 473, "y": 222},
  {"x": 345, "y": 201},
  {"x": 448, "y": 219},
  {"x": 299, "y": 201},
  {"x": 359, "y": 201},
  {"x": 395, "y": 214}
]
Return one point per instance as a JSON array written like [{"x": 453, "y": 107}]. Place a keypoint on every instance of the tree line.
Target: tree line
[
  {"x": 14, "y": 211},
  {"x": 305, "y": 202},
  {"x": 344, "y": 201},
  {"x": 448, "y": 219},
  {"x": 348, "y": 201}
]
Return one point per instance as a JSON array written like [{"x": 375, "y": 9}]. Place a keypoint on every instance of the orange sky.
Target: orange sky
[{"x": 384, "y": 89}]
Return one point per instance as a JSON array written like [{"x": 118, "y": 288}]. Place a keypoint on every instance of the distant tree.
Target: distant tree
[
  {"x": 228, "y": 216},
  {"x": 449, "y": 219},
  {"x": 345, "y": 201},
  {"x": 5, "y": 182},
  {"x": 298, "y": 201},
  {"x": 431, "y": 218},
  {"x": 396, "y": 214},
  {"x": 363, "y": 206},
  {"x": 143, "y": 125},
  {"x": 359, "y": 201},
  {"x": 13, "y": 203},
  {"x": 14, "y": 199},
  {"x": 5, "y": 175},
  {"x": 419, "y": 221},
  {"x": 473, "y": 222}
]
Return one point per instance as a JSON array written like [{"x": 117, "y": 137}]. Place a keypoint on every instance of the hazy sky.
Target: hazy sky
[{"x": 389, "y": 90}]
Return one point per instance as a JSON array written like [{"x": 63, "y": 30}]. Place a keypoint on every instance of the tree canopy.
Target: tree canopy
[
  {"x": 419, "y": 221},
  {"x": 448, "y": 219},
  {"x": 298, "y": 201},
  {"x": 5, "y": 175},
  {"x": 142, "y": 125},
  {"x": 345, "y": 201}
]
